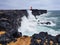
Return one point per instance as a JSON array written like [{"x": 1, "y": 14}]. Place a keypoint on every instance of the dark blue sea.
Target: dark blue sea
[{"x": 31, "y": 25}]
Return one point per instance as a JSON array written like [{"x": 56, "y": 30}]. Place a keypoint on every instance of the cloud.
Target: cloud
[{"x": 25, "y": 4}]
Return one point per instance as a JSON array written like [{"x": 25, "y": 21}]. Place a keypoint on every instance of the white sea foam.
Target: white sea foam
[
  {"x": 46, "y": 29},
  {"x": 29, "y": 26},
  {"x": 43, "y": 23}
]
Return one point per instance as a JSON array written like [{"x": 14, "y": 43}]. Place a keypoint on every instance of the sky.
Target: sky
[{"x": 25, "y": 4}]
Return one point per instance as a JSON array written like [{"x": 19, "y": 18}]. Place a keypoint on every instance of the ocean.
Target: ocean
[{"x": 31, "y": 25}]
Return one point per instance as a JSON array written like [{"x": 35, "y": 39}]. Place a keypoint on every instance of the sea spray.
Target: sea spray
[{"x": 30, "y": 25}]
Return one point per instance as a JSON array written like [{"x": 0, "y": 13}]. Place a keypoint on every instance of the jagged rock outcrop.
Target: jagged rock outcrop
[
  {"x": 10, "y": 20},
  {"x": 14, "y": 16},
  {"x": 37, "y": 12}
]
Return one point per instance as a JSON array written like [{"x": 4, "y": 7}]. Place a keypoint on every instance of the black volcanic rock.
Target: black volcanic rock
[
  {"x": 58, "y": 38},
  {"x": 37, "y": 12},
  {"x": 44, "y": 36}
]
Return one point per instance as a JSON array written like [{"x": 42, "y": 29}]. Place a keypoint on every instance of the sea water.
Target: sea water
[{"x": 31, "y": 25}]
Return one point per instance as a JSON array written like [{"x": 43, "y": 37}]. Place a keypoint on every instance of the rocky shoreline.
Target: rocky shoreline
[
  {"x": 43, "y": 38},
  {"x": 10, "y": 20}
]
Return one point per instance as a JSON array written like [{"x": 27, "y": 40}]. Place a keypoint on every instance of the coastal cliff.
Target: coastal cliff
[{"x": 10, "y": 20}]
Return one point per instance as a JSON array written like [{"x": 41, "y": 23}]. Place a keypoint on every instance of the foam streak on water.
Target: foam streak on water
[{"x": 30, "y": 25}]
